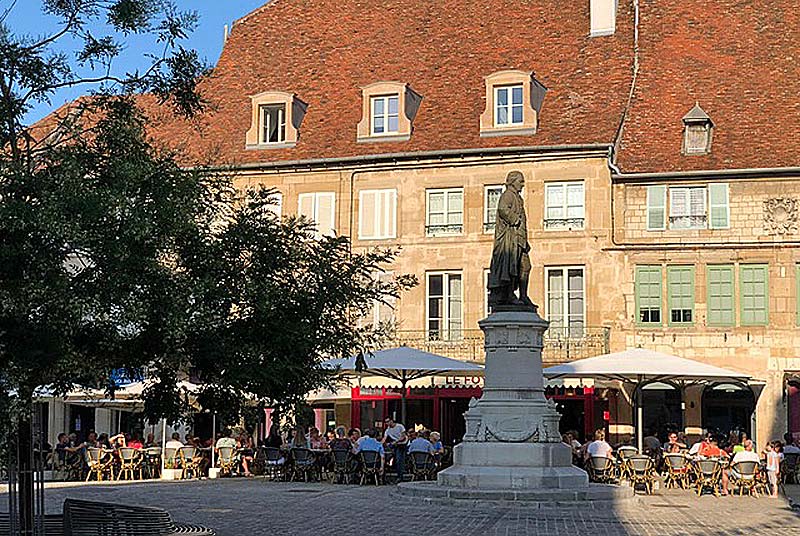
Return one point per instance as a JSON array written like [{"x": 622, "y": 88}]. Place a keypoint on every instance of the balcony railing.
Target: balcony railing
[
  {"x": 560, "y": 344},
  {"x": 567, "y": 224},
  {"x": 444, "y": 229}
]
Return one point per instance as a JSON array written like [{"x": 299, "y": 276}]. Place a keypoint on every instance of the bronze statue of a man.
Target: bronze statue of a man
[{"x": 511, "y": 265}]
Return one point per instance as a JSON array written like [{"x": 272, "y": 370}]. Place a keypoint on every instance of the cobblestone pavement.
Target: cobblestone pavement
[{"x": 252, "y": 507}]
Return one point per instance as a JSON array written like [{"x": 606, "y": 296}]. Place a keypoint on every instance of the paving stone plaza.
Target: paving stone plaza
[{"x": 254, "y": 507}]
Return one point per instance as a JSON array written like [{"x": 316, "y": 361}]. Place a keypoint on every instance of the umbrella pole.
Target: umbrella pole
[
  {"x": 213, "y": 438},
  {"x": 639, "y": 417},
  {"x": 403, "y": 400}
]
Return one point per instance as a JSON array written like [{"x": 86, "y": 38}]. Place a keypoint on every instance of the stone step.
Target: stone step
[{"x": 600, "y": 496}]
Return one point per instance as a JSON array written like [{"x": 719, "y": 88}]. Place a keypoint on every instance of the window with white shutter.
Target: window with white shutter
[
  {"x": 383, "y": 310},
  {"x": 687, "y": 208},
  {"x": 377, "y": 214},
  {"x": 319, "y": 207},
  {"x": 656, "y": 208},
  {"x": 491, "y": 197},
  {"x": 444, "y": 310},
  {"x": 277, "y": 203},
  {"x": 564, "y": 205},
  {"x": 445, "y": 212},
  {"x": 718, "y": 208}
]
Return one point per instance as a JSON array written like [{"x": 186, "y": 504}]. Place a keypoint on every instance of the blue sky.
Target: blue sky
[{"x": 26, "y": 17}]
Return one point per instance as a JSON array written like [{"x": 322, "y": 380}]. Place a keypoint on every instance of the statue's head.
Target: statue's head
[{"x": 515, "y": 179}]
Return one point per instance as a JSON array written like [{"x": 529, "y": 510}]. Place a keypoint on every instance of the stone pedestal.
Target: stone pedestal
[
  {"x": 512, "y": 450},
  {"x": 512, "y": 440}
]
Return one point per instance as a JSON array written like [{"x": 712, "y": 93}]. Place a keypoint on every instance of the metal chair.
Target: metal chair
[
  {"x": 370, "y": 466},
  {"x": 100, "y": 463},
  {"x": 642, "y": 472},
  {"x": 625, "y": 453},
  {"x": 152, "y": 462},
  {"x": 743, "y": 476},
  {"x": 130, "y": 462},
  {"x": 423, "y": 464},
  {"x": 677, "y": 471},
  {"x": 226, "y": 459},
  {"x": 790, "y": 469},
  {"x": 600, "y": 469},
  {"x": 303, "y": 463},
  {"x": 342, "y": 467},
  {"x": 189, "y": 462},
  {"x": 708, "y": 476},
  {"x": 274, "y": 463}
]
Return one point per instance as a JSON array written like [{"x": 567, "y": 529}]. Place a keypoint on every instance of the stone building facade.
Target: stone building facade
[{"x": 660, "y": 157}]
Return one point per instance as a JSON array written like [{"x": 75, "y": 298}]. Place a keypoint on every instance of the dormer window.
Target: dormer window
[
  {"x": 508, "y": 105},
  {"x": 273, "y": 123},
  {"x": 275, "y": 120},
  {"x": 697, "y": 132},
  {"x": 385, "y": 115},
  {"x": 513, "y": 102},
  {"x": 388, "y": 112}
]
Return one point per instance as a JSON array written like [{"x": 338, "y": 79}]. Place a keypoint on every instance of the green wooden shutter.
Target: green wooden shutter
[
  {"x": 680, "y": 294},
  {"x": 718, "y": 206},
  {"x": 656, "y": 208},
  {"x": 753, "y": 294},
  {"x": 719, "y": 300},
  {"x": 648, "y": 295}
]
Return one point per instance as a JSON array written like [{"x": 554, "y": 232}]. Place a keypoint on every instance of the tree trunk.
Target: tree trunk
[{"x": 25, "y": 472}]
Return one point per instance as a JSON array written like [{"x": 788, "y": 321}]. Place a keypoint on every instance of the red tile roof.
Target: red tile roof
[
  {"x": 325, "y": 50},
  {"x": 740, "y": 61}
]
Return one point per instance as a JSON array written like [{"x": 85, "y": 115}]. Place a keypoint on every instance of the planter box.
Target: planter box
[
  {"x": 213, "y": 472},
  {"x": 171, "y": 474}
]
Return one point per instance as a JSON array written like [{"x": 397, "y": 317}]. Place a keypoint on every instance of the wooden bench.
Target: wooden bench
[{"x": 84, "y": 518}]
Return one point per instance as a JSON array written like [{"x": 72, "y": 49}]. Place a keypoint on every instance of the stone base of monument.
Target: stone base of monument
[{"x": 512, "y": 449}]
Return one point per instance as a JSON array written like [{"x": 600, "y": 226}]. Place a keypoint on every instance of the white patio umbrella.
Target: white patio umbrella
[
  {"x": 638, "y": 366},
  {"x": 403, "y": 364}
]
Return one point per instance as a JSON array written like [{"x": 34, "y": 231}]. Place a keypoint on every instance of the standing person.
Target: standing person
[
  {"x": 774, "y": 458},
  {"x": 396, "y": 438}
]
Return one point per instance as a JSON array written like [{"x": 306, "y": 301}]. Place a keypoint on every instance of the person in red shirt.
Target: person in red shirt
[{"x": 710, "y": 449}]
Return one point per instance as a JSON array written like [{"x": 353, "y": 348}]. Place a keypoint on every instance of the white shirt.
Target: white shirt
[
  {"x": 695, "y": 448},
  {"x": 174, "y": 444},
  {"x": 745, "y": 456},
  {"x": 599, "y": 449},
  {"x": 395, "y": 432}
]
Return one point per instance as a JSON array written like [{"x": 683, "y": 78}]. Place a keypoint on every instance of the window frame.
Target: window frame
[
  {"x": 489, "y": 226},
  {"x": 711, "y": 206},
  {"x": 391, "y": 214},
  {"x": 705, "y": 215},
  {"x": 263, "y": 123},
  {"x": 567, "y": 327},
  {"x": 650, "y": 207},
  {"x": 709, "y": 269},
  {"x": 315, "y": 208},
  {"x": 510, "y": 105},
  {"x": 447, "y": 192},
  {"x": 675, "y": 268},
  {"x": 375, "y": 313},
  {"x": 566, "y": 226},
  {"x": 742, "y": 319},
  {"x": 444, "y": 329},
  {"x": 385, "y": 98},
  {"x": 637, "y": 282}
]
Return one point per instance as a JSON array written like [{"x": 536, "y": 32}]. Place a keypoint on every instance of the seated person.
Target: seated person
[
  {"x": 438, "y": 447},
  {"x": 420, "y": 444},
  {"x": 317, "y": 440},
  {"x": 369, "y": 443},
  {"x": 710, "y": 449},
  {"x": 746, "y": 455},
  {"x": 175, "y": 442},
  {"x": 672, "y": 442},
  {"x": 135, "y": 442},
  {"x": 599, "y": 447},
  {"x": 790, "y": 445},
  {"x": 340, "y": 442}
]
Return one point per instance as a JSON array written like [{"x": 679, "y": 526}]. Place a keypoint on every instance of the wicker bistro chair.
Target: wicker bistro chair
[
  {"x": 790, "y": 469},
  {"x": 625, "y": 453},
  {"x": 423, "y": 465},
  {"x": 370, "y": 466},
  {"x": 744, "y": 476},
  {"x": 100, "y": 462},
  {"x": 130, "y": 463},
  {"x": 274, "y": 463},
  {"x": 189, "y": 462},
  {"x": 677, "y": 474},
  {"x": 642, "y": 471},
  {"x": 303, "y": 463},
  {"x": 708, "y": 473},
  {"x": 226, "y": 459},
  {"x": 342, "y": 466},
  {"x": 600, "y": 469},
  {"x": 97, "y": 518},
  {"x": 152, "y": 462}
]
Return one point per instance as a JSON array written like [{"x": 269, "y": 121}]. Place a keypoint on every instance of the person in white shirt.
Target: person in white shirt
[
  {"x": 175, "y": 442},
  {"x": 395, "y": 437},
  {"x": 599, "y": 448}
]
